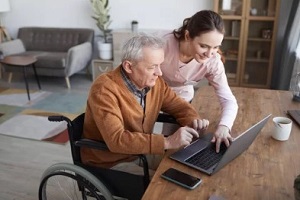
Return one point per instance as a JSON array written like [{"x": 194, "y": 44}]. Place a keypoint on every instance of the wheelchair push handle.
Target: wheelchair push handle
[{"x": 58, "y": 118}]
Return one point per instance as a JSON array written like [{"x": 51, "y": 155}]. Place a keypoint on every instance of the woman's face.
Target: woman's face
[{"x": 206, "y": 45}]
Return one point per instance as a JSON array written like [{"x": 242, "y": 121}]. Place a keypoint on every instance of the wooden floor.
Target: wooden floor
[{"x": 23, "y": 161}]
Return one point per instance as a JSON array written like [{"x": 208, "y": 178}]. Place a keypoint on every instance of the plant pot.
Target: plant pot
[{"x": 105, "y": 51}]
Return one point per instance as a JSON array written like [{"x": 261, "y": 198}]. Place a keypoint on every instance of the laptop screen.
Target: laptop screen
[{"x": 295, "y": 114}]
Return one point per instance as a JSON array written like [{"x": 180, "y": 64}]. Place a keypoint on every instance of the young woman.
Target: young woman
[{"x": 191, "y": 54}]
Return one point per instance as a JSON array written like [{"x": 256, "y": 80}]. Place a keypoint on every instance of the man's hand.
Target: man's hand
[
  {"x": 182, "y": 137},
  {"x": 200, "y": 124},
  {"x": 222, "y": 135}
]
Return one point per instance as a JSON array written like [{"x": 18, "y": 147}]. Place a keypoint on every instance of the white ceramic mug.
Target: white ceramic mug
[{"x": 282, "y": 128}]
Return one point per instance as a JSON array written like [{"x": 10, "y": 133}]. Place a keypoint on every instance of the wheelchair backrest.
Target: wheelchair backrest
[{"x": 75, "y": 134}]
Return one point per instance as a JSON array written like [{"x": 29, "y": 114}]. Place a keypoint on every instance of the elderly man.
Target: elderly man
[{"x": 123, "y": 106}]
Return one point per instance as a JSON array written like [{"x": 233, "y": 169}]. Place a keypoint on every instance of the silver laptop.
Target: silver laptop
[
  {"x": 202, "y": 155},
  {"x": 295, "y": 114}
]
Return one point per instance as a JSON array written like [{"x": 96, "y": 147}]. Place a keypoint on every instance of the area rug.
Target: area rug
[
  {"x": 31, "y": 121},
  {"x": 34, "y": 124},
  {"x": 18, "y": 97},
  {"x": 70, "y": 102},
  {"x": 61, "y": 137},
  {"x": 31, "y": 127}
]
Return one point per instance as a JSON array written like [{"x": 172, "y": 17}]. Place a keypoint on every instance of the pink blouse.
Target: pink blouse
[{"x": 182, "y": 77}]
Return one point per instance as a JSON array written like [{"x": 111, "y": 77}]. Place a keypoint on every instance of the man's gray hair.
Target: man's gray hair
[{"x": 132, "y": 49}]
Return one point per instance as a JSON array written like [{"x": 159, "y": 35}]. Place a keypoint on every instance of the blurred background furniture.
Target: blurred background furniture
[
  {"x": 101, "y": 66},
  {"x": 59, "y": 52},
  {"x": 249, "y": 41},
  {"x": 4, "y": 7},
  {"x": 23, "y": 62}
]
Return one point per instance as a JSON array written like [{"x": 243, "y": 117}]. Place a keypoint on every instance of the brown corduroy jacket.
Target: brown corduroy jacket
[{"x": 115, "y": 116}]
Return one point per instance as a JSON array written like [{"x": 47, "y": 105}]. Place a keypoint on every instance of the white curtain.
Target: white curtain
[
  {"x": 286, "y": 70},
  {"x": 296, "y": 70}
]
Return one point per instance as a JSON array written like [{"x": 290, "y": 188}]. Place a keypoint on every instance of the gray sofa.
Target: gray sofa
[{"x": 60, "y": 52}]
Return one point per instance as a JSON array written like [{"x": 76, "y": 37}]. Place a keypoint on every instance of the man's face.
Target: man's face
[
  {"x": 145, "y": 72},
  {"x": 206, "y": 45}
]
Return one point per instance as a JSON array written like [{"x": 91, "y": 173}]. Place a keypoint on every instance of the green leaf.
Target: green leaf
[{"x": 101, "y": 14}]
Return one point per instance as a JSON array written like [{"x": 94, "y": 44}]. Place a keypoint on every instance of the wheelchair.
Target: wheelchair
[{"x": 80, "y": 181}]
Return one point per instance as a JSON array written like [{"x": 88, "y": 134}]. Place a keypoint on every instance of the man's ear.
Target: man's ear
[{"x": 127, "y": 66}]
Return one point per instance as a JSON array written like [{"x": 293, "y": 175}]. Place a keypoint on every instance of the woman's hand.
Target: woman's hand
[{"x": 222, "y": 135}]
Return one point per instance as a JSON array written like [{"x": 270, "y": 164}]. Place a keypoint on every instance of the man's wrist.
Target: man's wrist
[{"x": 166, "y": 143}]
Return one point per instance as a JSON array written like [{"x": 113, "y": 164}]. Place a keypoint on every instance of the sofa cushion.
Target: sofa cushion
[
  {"x": 12, "y": 47},
  {"x": 29, "y": 53},
  {"x": 53, "y": 39},
  {"x": 51, "y": 60},
  {"x": 47, "y": 59}
]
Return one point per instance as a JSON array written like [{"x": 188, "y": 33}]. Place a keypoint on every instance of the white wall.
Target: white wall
[{"x": 151, "y": 14}]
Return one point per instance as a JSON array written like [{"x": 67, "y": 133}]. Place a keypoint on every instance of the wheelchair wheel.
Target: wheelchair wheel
[{"x": 68, "y": 181}]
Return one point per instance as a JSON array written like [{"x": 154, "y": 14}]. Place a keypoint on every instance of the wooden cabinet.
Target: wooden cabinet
[
  {"x": 101, "y": 66},
  {"x": 249, "y": 41}
]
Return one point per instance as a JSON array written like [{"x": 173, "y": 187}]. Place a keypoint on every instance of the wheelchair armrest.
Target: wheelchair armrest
[
  {"x": 166, "y": 118},
  {"x": 91, "y": 144},
  {"x": 102, "y": 146}
]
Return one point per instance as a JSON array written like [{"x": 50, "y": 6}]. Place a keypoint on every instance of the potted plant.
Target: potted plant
[{"x": 102, "y": 17}]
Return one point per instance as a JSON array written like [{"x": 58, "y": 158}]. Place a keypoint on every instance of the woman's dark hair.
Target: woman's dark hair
[{"x": 201, "y": 22}]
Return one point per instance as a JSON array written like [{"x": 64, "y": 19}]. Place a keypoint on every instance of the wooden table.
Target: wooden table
[
  {"x": 265, "y": 171},
  {"x": 22, "y": 61}
]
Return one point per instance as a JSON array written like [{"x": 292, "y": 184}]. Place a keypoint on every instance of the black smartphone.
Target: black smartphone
[{"x": 181, "y": 178}]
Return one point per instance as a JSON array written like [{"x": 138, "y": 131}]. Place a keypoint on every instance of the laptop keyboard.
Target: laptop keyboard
[{"x": 207, "y": 157}]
